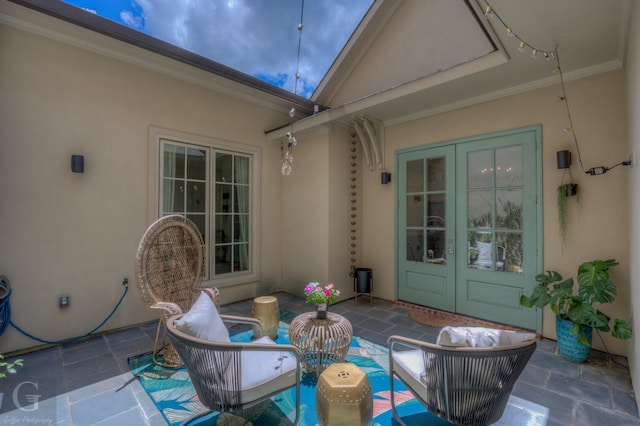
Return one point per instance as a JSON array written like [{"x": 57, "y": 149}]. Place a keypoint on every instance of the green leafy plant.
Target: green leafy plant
[
  {"x": 8, "y": 367},
  {"x": 594, "y": 287},
  {"x": 563, "y": 193}
]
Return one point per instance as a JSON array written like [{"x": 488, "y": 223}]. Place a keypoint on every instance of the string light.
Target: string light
[
  {"x": 490, "y": 13},
  {"x": 286, "y": 149}
]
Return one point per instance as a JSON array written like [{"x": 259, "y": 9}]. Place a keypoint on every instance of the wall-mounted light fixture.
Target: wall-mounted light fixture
[
  {"x": 77, "y": 163},
  {"x": 385, "y": 178},
  {"x": 564, "y": 159}
]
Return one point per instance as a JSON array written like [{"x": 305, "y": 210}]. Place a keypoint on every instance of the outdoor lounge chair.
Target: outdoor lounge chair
[
  {"x": 462, "y": 385},
  {"x": 169, "y": 270},
  {"x": 233, "y": 377}
]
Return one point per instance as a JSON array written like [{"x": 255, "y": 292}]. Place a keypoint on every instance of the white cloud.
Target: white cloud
[{"x": 131, "y": 20}]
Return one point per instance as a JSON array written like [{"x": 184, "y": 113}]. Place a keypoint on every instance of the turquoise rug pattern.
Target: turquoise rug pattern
[
  {"x": 174, "y": 396},
  {"x": 172, "y": 392}
]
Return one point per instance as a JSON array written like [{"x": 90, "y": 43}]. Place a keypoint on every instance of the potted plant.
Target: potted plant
[
  {"x": 577, "y": 313},
  {"x": 321, "y": 297},
  {"x": 564, "y": 192}
]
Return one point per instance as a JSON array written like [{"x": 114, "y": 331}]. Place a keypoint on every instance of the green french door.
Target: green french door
[{"x": 468, "y": 225}]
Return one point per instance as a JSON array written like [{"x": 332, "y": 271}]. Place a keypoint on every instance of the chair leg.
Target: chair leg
[
  {"x": 394, "y": 411},
  {"x": 160, "y": 345}
]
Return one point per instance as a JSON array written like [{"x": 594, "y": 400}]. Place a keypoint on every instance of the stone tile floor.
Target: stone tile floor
[{"x": 88, "y": 382}]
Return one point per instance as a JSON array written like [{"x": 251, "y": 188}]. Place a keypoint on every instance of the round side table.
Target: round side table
[{"x": 321, "y": 341}]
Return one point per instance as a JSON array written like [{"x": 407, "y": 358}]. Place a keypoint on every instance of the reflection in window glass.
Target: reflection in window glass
[
  {"x": 509, "y": 166},
  {"x": 436, "y": 169},
  {"x": 415, "y": 210},
  {"x": 480, "y": 169},
  {"x": 511, "y": 244},
  {"x": 509, "y": 209},
  {"x": 479, "y": 207},
  {"x": 187, "y": 189},
  {"x": 415, "y": 245},
  {"x": 415, "y": 176}
]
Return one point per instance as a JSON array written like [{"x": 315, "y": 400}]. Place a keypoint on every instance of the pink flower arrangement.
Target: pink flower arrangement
[{"x": 319, "y": 295}]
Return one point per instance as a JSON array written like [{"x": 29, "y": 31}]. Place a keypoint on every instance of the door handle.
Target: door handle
[{"x": 451, "y": 245}]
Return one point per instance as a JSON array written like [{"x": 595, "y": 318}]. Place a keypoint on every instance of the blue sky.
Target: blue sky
[{"x": 257, "y": 37}]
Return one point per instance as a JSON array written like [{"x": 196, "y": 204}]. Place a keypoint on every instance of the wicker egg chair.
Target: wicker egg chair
[{"x": 169, "y": 270}]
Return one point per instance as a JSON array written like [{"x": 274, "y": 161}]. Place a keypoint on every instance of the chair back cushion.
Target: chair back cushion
[
  {"x": 481, "y": 337},
  {"x": 203, "y": 321}
]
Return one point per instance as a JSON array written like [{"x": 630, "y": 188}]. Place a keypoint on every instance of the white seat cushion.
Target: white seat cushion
[
  {"x": 264, "y": 373},
  {"x": 409, "y": 366},
  {"x": 203, "y": 321}
]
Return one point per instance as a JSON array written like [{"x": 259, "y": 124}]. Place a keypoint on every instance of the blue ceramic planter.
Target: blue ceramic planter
[{"x": 570, "y": 348}]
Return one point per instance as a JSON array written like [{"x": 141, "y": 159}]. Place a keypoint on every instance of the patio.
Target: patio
[{"x": 89, "y": 382}]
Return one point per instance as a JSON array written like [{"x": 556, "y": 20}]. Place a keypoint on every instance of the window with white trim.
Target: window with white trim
[{"x": 212, "y": 187}]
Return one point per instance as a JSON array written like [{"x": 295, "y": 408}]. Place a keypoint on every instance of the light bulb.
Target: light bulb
[
  {"x": 568, "y": 130},
  {"x": 534, "y": 53},
  {"x": 300, "y": 27},
  {"x": 292, "y": 112},
  {"x": 546, "y": 56},
  {"x": 521, "y": 47},
  {"x": 510, "y": 32},
  {"x": 489, "y": 12},
  {"x": 556, "y": 70}
]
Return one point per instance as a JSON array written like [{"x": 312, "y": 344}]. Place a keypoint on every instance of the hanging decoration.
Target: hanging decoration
[
  {"x": 286, "y": 148},
  {"x": 353, "y": 214},
  {"x": 550, "y": 55}
]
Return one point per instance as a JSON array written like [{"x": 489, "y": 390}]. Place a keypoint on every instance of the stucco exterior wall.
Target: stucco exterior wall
[
  {"x": 77, "y": 234},
  {"x": 632, "y": 73},
  {"x": 597, "y": 224}
]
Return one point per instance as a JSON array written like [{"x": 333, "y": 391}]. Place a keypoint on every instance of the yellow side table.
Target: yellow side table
[
  {"x": 343, "y": 396},
  {"x": 265, "y": 308}
]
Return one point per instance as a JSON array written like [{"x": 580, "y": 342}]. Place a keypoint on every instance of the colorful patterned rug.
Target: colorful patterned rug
[{"x": 173, "y": 394}]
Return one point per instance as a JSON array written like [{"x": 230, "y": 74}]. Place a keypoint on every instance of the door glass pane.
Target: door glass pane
[
  {"x": 241, "y": 199},
  {"x": 436, "y": 247},
  {"x": 172, "y": 196},
  {"x": 240, "y": 228},
  {"x": 223, "y": 198},
  {"x": 480, "y": 250},
  {"x": 436, "y": 169},
  {"x": 200, "y": 221},
  {"x": 509, "y": 209},
  {"x": 415, "y": 176},
  {"x": 196, "y": 164},
  {"x": 436, "y": 210},
  {"x": 241, "y": 170},
  {"x": 511, "y": 244},
  {"x": 196, "y": 196},
  {"x": 240, "y": 257},
  {"x": 173, "y": 161},
  {"x": 415, "y": 210},
  {"x": 480, "y": 169},
  {"x": 415, "y": 245},
  {"x": 509, "y": 166},
  {"x": 223, "y": 167},
  {"x": 479, "y": 209}
]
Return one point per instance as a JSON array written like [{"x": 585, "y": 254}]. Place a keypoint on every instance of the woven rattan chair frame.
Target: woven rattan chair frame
[
  {"x": 216, "y": 383},
  {"x": 465, "y": 386},
  {"x": 169, "y": 270}
]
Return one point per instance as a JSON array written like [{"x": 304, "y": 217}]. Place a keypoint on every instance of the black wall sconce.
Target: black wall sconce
[
  {"x": 564, "y": 159},
  {"x": 77, "y": 163},
  {"x": 385, "y": 178}
]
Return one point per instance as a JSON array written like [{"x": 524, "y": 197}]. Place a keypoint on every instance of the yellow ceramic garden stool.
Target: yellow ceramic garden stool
[
  {"x": 265, "y": 308},
  {"x": 343, "y": 396}
]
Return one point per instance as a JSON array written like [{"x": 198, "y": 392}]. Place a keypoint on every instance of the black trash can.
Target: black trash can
[{"x": 363, "y": 283}]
